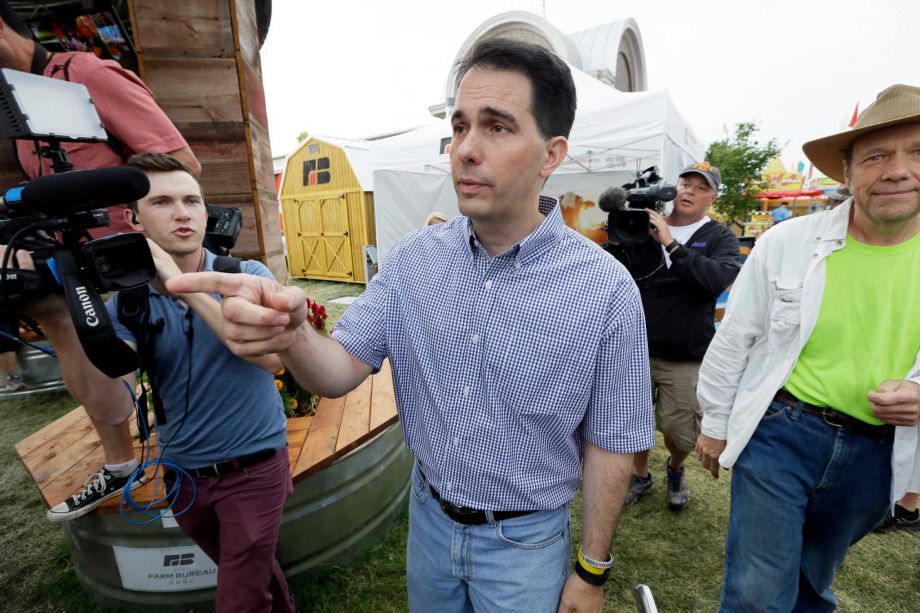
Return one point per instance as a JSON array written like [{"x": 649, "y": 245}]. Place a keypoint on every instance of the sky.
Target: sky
[{"x": 356, "y": 68}]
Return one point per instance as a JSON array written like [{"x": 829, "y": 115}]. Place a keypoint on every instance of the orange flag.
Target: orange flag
[{"x": 855, "y": 116}]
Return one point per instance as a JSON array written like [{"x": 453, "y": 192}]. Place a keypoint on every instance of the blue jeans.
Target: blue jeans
[
  {"x": 517, "y": 564},
  {"x": 802, "y": 492}
]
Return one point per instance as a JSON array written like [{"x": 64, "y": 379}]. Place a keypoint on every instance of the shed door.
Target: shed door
[{"x": 324, "y": 236}]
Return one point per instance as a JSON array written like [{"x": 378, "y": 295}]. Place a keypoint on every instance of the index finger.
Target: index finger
[{"x": 223, "y": 283}]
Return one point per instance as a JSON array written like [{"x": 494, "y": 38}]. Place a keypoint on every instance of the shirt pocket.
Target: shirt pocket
[{"x": 785, "y": 313}]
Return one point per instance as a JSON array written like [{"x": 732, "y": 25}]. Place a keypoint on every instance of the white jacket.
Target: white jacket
[{"x": 772, "y": 310}]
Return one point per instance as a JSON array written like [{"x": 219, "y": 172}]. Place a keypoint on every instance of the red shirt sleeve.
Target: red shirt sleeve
[{"x": 129, "y": 111}]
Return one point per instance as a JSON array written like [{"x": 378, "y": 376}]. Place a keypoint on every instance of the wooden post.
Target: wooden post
[{"x": 201, "y": 60}]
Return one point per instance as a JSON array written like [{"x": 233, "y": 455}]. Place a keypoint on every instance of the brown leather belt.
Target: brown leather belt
[
  {"x": 471, "y": 517},
  {"x": 837, "y": 419}
]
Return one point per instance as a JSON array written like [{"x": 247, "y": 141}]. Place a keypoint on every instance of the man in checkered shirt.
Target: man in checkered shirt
[{"x": 518, "y": 351}]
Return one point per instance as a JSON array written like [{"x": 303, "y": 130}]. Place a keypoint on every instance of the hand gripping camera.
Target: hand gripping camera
[{"x": 49, "y": 217}]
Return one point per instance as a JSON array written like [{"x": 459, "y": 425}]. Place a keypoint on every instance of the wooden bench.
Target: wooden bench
[{"x": 61, "y": 456}]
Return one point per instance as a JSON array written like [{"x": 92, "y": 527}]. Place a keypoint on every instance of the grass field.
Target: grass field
[{"x": 679, "y": 555}]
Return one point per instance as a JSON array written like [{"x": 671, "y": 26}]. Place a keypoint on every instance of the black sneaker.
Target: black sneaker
[
  {"x": 678, "y": 492},
  {"x": 638, "y": 487},
  {"x": 902, "y": 519},
  {"x": 98, "y": 488}
]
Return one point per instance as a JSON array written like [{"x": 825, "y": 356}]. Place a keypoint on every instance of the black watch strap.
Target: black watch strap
[
  {"x": 672, "y": 246},
  {"x": 589, "y": 577}
]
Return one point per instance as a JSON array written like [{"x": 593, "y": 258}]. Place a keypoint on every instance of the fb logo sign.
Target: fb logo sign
[{"x": 182, "y": 559}]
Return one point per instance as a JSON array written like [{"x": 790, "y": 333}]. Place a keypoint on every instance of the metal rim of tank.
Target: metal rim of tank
[
  {"x": 359, "y": 497},
  {"x": 40, "y": 372}
]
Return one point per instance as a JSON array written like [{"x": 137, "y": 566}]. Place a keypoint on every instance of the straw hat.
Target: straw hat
[{"x": 895, "y": 105}]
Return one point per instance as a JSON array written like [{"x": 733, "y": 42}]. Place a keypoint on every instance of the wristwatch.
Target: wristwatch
[{"x": 672, "y": 246}]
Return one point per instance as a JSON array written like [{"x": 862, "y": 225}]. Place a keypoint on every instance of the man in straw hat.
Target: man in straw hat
[{"x": 811, "y": 387}]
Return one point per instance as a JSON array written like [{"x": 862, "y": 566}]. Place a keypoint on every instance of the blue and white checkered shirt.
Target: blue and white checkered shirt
[{"x": 504, "y": 366}]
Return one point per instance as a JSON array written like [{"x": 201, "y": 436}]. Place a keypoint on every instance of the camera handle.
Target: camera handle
[
  {"x": 91, "y": 320},
  {"x": 54, "y": 152}
]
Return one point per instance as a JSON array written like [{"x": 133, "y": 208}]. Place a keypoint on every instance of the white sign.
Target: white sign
[{"x": 168, "y": 569}]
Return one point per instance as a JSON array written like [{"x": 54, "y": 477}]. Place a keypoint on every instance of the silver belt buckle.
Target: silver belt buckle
[{"x": 824, "y": 415}]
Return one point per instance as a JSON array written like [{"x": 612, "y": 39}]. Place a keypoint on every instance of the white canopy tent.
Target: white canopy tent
[{"x": 614, "y": 135}]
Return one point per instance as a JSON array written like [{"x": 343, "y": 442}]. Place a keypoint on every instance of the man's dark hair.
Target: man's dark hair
[
  {"x": 12, "y": 20},
  {"x": 156, "y": 162},
  {"x": 553, "y": 99}
]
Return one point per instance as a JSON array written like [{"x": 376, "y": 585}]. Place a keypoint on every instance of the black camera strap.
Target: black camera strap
[
  {"x": 133, "y": 309},
  {"x": 91, "y": 320}
]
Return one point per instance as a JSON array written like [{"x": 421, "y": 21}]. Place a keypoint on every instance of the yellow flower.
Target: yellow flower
[
  {"x": 279, "y": 373},
  {"x": 291, "y": 403},
  {"x": 279, "y": 384}
]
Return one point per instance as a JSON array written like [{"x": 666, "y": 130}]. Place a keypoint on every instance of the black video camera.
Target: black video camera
[
  {"x": 49, "y": 217},
  {"x": 627, "y": 206}
]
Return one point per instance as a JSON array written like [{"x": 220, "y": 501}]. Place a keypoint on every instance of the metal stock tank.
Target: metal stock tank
[
  {"x": 40, "y": 371},
  {"x": 333, "y": 515}
]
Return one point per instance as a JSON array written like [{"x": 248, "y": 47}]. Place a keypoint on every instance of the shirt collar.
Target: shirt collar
[
  {"x": 546, "y": 235},
  {"x": 836, "y": 224}
]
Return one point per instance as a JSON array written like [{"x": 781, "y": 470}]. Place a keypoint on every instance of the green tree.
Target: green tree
[
  {"x": 302, "y": 137},
  {"x": 741, "y": 160}
]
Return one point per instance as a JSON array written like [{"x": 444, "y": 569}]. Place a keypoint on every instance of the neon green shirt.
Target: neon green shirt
[{"x": 868, "y": 329}]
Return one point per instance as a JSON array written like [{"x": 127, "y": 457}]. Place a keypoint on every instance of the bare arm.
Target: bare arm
[
  {"x": 606, "y": 479},
  {"x": 262, "y": 316},
  {"x": 104, "y": 397},
  {"x": 188, "y": 158}
]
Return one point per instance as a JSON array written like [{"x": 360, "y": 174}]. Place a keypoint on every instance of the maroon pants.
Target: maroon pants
[{"x": 235, "y": 519}]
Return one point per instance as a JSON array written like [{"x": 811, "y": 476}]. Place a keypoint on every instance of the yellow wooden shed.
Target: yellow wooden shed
[{"x": 328, "y": 210}]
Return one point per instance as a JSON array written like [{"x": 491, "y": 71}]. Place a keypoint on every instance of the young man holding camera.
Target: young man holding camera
[
  {"x": 681, "y": 268},
  {"x": 222, "y": 419}
]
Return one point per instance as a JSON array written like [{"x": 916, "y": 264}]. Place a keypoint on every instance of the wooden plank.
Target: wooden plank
[
  {"x": 277, "y": 263},
  {"x": 50, "y": 432},
  {"x": 197, "y": 90},
  {"x": 247, "y": 33},
  {"x": 48, "y": 459},
  {"x": 70, "y": 470},
  {"x": 356, "y": 416},
  {"x": 383, "y": 403},
  {"x": 298, "y": 428},
  {"x": 324, "y": 431},
  {"x": 222, "y": 155},
  {"x": 201, "y": 28}
]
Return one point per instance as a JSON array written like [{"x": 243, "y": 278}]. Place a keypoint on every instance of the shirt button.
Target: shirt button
[
  {"x": 488, "y": 284},
  {"x": 466, "y": 390},
  {"x": 447, "y": 486},
  {"x": 456, "y": 442},
  {"x": 474, "y": 339},
  {"x": 517, "y": 265}
]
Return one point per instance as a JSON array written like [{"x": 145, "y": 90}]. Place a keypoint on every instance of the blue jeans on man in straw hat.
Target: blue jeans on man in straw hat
[{"x": 802, "y": 492}]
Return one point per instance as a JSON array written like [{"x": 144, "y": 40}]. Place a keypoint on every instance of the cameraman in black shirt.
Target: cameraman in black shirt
[{"x": 681, "y": 268}]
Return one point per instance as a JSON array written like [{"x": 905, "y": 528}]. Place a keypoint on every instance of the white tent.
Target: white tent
[{"x": 614, "y": 135}]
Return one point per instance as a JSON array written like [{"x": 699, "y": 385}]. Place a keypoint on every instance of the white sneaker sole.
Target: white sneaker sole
[{"x": 64, "y": 515}]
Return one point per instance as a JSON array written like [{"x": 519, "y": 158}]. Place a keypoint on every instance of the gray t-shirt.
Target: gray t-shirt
[{"x": 230, "y": 408}]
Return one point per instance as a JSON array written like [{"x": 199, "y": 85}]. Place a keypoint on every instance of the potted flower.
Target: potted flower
[{"x": 297, "y": 401}]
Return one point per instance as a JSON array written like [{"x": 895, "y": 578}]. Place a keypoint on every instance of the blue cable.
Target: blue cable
[
  {"x": 168, "y": 497},
  {"x": 47, "y": 350}
]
